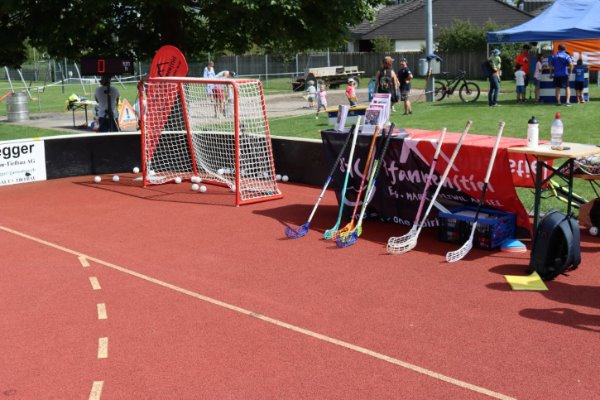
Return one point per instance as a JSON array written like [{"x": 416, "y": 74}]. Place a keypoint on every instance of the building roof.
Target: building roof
[{"x": 406, "y": 21}]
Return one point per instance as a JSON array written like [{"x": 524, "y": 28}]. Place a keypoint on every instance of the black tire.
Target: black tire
[
  {"x": 440, "y": 91},
  {"x": 469, "y": 92}
]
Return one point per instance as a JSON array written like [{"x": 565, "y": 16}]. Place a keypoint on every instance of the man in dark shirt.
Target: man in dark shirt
[{"x": 404, "y": 77}]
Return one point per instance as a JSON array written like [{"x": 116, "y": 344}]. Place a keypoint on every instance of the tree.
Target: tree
[
  {"x": 137, "y": 28},
  {"x": 382, "y": 44},
  {"x": 464, "y": 36}
]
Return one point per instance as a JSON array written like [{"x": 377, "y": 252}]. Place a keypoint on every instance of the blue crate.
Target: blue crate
[{"x": 493, "y": 226}]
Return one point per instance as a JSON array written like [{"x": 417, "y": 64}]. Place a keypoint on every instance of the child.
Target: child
[
  {"x": 312, "y": 93},
  {"x": 351, "y": 93},
  {"x": 520, "y": 80},
  {"x": 321, "y": 99},
  {"x": 579, "y": 72}
]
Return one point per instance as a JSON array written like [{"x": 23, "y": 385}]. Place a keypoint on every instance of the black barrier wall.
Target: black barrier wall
[{"x": 301, "y": 160}]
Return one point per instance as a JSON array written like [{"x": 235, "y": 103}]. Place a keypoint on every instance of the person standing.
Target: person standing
[
  {"x": 520, "y": 79},
  {"x": 351, "y": 93},
  {"x": 496, "y": 67},
  {"x": 522, "y": 59},
  {"x": 404, "y": 77},
  {"x": 107, "y": 97},
  {"x": 561, "y": 64},
  {"x": 321, "y": 99},
  {"x": 311, "y": 94},
  {"x": 537, "y": 77},
  {"x": 387, "y": 80},
  {"x": 209, "y": 70},
  {"x": 579, "y": 72}
]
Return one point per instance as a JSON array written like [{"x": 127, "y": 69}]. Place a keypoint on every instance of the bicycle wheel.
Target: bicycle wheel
[
  {"x": 469, "y": 92},
  {"x": 440, "y": 91}
]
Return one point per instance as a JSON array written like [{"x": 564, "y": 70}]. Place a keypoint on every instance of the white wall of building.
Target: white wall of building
[{"x": 408, "y": 45}]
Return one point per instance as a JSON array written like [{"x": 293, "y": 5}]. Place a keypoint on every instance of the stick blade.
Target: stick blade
[
  {"x": 457, "y": 255},
  {"x": 347, "y": 239},
  {"x": 295, "y": 233},
  {"x": 403, "y": 247},
  {"x": 329, "y": 232}
]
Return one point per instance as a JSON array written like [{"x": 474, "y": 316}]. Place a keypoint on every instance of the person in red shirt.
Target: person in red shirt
[{"x": 522, "y": 59}]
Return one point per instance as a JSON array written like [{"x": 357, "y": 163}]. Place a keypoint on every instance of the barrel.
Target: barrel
[{"x": 17, "y": 107}]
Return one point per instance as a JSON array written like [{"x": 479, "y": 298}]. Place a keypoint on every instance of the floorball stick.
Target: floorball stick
[
  {"x": 350, "y": 237},
  {"x": 453, "y": 256},
  {"x": 294, "y": 233},
  {"x": 367, "y": 170},
  {"x": 399, "y": 248},
  {"x": 395, "y": 241},
  {"x": 329, "y": 232}
]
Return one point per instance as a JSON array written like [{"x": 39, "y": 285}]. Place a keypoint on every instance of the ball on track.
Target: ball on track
[
  {"x": 115, "y": 178},
  {"x": 594, "y": 231},
  {"x": 195, "y": 187},
  {"x": 177, "y": 179},
  {"x": 203, "y": 188},
  {"x": 278, "y": 177},
  {"x": 285, "y": 178},
  {"x": 136, "y": 170},
  {"x": 97, "y": 179}
]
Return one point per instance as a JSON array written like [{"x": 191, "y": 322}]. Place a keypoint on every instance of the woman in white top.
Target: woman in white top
[{"x": 537, "y": 77}]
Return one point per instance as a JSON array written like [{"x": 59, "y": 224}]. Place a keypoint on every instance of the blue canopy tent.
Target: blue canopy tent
[{"x": 563, "y": 20}]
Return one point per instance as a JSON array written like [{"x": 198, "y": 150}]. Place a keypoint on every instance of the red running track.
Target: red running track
[{"x": 111, "y": 291}]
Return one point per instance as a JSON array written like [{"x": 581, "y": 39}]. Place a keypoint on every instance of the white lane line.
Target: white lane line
[
  {"x": 103, "y": 347},
  {"x": 101, "y": 311},
  {"x": 84, "y": 262},
  {"x": 285, "y": 325},
  {"x": 95, "y": 283},
  {"x": 96, "y": 391}
]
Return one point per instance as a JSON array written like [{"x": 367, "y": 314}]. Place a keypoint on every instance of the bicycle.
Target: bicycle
[{"x": 468, "y": 92}]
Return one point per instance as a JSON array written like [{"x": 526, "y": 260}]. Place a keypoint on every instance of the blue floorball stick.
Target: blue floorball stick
[
  {"x": 329, "y": 232},
  {"x": 295, "y": 233},
  {"x": 349, "y": 238}
]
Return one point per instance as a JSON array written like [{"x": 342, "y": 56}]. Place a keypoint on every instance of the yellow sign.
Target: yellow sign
[{"x": 127, "y": 116}]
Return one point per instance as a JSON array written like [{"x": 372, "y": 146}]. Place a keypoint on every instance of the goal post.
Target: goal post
[{"x": 213, "y": 129}]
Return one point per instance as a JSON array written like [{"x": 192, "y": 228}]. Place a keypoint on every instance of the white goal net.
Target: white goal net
[{"x": 216, "y": 130}]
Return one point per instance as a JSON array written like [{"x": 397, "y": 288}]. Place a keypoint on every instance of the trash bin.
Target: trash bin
[
  {"x": 422, "y": 66},
  {"x": 17, "y": 107},
  {"x": 435, "y": 66}
]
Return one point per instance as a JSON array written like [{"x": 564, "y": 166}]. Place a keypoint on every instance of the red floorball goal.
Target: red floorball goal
[{"x": 215, "y": 130}]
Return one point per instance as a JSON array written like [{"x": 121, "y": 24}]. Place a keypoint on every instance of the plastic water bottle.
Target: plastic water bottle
[
  {"x": 556, "y": 133},
  {"x": 533, "y": 132}
]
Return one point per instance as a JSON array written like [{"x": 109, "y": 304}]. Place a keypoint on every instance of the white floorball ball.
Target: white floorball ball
[
  {"x": 136, "y": 170},
  {"x": 203, "y": 188},
  {"x": 220, "y": 171},
  {"x": 594, "y": 231},
  {"x": 151, "y": 172},
  {"x": 285, "y": 178},
  {"x": 177, "y": 179},
  {"x": 232, "y": 187},
  {"x": 116, "y": 178},
  {"x": 97, "y": 179},
  {"x": 195, "y": 187},
  {"x": 278, "y": 177},
  {"x": 194, "y": 179}
]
